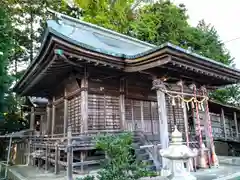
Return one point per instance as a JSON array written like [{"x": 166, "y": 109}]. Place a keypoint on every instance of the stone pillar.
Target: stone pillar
[{"x": 162, "y": 113}]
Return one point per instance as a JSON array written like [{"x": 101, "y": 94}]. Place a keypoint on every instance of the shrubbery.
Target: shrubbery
[{"x": 120, "y": 163}]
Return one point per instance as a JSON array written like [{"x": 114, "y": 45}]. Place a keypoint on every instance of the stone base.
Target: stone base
[
  {"x": 154, "y": 178},
  {"x": 185, "y": 176}
]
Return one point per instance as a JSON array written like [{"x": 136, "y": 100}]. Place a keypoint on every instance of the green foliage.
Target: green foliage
[
  {"x": 5, "y": 51},
  {"x": 12, "y": 122},
  {"x": 114, "y": 15},
  {"x": 120, "y": 163},
  {"x": 161, "y": 22},
  {"x": 165, "y": 22}
]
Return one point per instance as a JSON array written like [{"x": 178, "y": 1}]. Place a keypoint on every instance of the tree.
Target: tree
[
  {"x": 205, "y": 40},
  {"x": 165, "y": 22},
  {"x": 28, "y": 19},
  {"x": 114, "y": 15},
  {"x": 5, "y": 51},
  {"x": 161, "y": 22}
]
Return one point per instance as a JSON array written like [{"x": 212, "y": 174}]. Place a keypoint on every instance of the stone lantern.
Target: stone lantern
[{"x": 177, "y": 154}]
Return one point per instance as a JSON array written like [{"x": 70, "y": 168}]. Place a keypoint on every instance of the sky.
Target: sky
[{"x": 222, "y": 15}]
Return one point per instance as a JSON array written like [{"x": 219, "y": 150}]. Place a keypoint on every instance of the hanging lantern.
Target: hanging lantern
[{"x": 173, "y": 102}]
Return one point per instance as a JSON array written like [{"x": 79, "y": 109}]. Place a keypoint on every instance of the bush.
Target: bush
[{"x": 120, "y": 163}]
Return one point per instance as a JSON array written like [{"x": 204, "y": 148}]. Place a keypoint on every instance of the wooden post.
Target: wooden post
[
  {"x": 224, "y": 124},
  {"x": 82, "y": 160},
  {"x": 142, "y": 117},
  {"x": 69, "y": 156},
  {"x": 8, "y": 156},
  {"x": 236, "y": 124},
  {"x": 32, "y": 119},
  {"x": 56, "y": 158},
  {"x": 162, "y": 113},
  {"x": 186, "y": 124},
  {"x": 65, "y": 113},
  {"x": 207, "y": 118},
  {"x": 42, "y": 124},
  {"x": 53, "y": 115},
  {"x": 122, "y": 104},
  {"x": 48, "y": 119},
  {"x": 84, "y": 103},
  {"x": 46, "y": 160},
  {"x": 133, "y": 121}
]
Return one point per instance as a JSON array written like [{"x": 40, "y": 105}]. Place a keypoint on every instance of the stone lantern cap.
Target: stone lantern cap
[{"x": 176, "y": 136}]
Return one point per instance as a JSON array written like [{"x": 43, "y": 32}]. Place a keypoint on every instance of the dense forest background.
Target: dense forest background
[{"x": 22, "y": 23}]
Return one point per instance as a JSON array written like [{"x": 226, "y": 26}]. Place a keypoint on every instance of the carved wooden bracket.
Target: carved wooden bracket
[{"x": 158, "y": 84}]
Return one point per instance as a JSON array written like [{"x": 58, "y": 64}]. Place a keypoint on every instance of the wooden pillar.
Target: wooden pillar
[
  {"x": 236, "y": 124},
  {"x": 57, "y": 154},
  {"x": 41, "y": 124},
  {"x": 142, "y": 117},
  {"x": 132, "y": 111},
  {"x": 32, "y": 119},
  {"x": 162, "y": 113},
  {"x": 53, "y": 115},
  {"x": 206, "y": 126},
  {"x": 46, "y": 160},
  {"x": 65, "y": 115},
  {"x": 69, "y": 155},
  {"x": 224, "y": 124},
  {"x": 122, "y": 104},
  {"x": 84, "y": 103},
  {"x": 186, "y": 123},
  {"x": 49, "y": 119}
]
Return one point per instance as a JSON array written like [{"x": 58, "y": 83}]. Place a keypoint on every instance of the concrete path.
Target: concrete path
[{"x": 224, "y": 172}]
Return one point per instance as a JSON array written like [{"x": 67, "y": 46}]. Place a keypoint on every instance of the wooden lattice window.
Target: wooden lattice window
[
  {"x": 155, "y": 117},
  {"x": 103, "y": 112},
  {"x": 174, "y": 113},
  {"x": 74, "y": 114},
  {"x": 59, "y": 122},
  {"x": 134, "y": 119}
]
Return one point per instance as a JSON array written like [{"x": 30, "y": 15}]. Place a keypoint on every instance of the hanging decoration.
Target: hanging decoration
[
  {"x": 192, "y": 100},
  {"x": 173, "y": 101}
]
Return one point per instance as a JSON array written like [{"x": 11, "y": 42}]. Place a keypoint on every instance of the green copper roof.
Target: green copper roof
[
  {"x": 105, "y": 41},
  {"x": 97, "y": 40}
]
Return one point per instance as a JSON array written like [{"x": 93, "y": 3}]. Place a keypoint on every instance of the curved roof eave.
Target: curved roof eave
[{"x": 139, "y": 44}]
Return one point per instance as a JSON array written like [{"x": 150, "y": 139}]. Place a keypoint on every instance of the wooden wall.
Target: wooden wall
[{"x": 140, "y": 108}]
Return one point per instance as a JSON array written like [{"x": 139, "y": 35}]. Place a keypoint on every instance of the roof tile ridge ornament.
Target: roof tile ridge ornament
[{"x": 158, "y": 84}]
